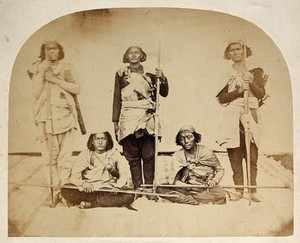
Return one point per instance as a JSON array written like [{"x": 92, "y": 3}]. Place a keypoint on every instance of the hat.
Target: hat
[
  {"x": 52, "y": 42},
  {"x": 187, "y": 128},
  {"x": 235, "y": 41},
  {"x": 99, "y": 128},
  {"x": 94, "y": 131}
]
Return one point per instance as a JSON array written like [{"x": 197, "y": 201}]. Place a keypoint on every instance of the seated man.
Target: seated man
[
  {"x": 99, "y": 167},
  {"x": 195, "y": 164}
]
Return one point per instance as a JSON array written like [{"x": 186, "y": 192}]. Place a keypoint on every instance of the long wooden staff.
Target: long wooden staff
[
  {"x": 224, "y": 186},
  {"x": 98, "y": 189},
  {"x": 156, "y": 122},
  {"x": 247, "y": 130},
  {"x": 49, "y": 141},
  {"x": 69, "y": 78}
]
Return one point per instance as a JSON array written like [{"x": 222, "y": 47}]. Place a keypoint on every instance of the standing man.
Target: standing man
[
  {"x": 55, "y": 112},
  {"x": 134, "y": 106},
  {"x": 234, "y": 82},
  {"x": 195, "y": 164}
]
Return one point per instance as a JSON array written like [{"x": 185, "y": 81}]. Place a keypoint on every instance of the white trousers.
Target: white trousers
[{"x": 57, "y": 149}]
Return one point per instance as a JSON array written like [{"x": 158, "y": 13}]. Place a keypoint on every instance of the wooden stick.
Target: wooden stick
[
  {"x": 225, "y": 186},
  {"x": 69, "y": 78},
  {"x": 156, "y": 123},
  {"x": 247, "y": 131},
  {"x": 98, "y": 190},
  {"x": 49, "y": 142}
]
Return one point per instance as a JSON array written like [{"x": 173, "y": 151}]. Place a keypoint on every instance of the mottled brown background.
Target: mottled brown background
[
  {"x": 192, "y": 46},
  {"x": 199, "y": 33}
]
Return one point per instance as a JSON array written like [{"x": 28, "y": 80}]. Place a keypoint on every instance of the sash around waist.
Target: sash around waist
[
  {"x": 252, "y": 101},
  {"x": 59, "y": 102},
  {"x": 138, "y": 104}
]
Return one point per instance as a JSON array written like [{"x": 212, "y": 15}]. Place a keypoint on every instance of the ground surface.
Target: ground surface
[{"x": 28, "y": 216}]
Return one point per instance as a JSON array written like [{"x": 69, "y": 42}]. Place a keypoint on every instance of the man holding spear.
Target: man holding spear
[
  {"x": 134, "y": 107},
  {"x": 56, "y": 113},
  {"x": 241, "y": 90}
]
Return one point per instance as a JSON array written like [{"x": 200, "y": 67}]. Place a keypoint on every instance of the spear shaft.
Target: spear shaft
[
  {"x": 225, "y": 186},
  {"x": 156, "y": 121},
  {"x": 247, "y": 130},
  {"x": 98, "y": 189}
]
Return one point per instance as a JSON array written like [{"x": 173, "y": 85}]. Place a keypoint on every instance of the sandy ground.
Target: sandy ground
[{"x": 28, "y": 216}]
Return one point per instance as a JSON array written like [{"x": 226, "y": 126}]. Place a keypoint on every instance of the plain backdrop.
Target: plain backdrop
[
  {"x": 21, "y": 19},
  {"x": 192, "y": 47}
]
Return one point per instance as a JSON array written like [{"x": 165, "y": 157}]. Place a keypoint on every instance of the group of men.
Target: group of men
[{"x": 98, "y": 176}]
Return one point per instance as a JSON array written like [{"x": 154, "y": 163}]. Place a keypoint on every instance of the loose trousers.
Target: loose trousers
[
  {"x": 236, "y": 156},
  {"x": 194, "y": 196},
  {"x": 61, "y": 146},
  {"x": 137, "y": 150},
  {"x": 97, "y": 199}
]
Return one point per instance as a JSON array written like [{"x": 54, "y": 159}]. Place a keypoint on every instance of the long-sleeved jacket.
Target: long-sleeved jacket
[
  {"x": 121, "y": 82},
  {"x": 257, "y": 89},
  {"x": 234, "y": 118}
]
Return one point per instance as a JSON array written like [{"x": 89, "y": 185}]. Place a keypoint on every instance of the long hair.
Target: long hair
[
  {"x": 143, "y": 54},
  {"x": 109, "y": 141},
  {"x": 43, "y": 54},
  {"x": 196, "y": 135},
  {"x": 226, "y": 52}
]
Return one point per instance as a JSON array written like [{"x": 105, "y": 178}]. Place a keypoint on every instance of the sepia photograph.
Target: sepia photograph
[{"x": 141, "y": 123}]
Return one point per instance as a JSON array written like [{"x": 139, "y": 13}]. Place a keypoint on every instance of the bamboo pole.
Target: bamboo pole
[
  {"x": 247, "y": 131},
  {"x": 98, "y": 189},
  {"x": 156, "y": 123},
  {"x": 225, "y": 186},
  {"x": 49, "y": 142}
]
